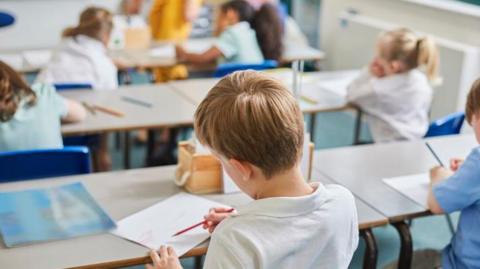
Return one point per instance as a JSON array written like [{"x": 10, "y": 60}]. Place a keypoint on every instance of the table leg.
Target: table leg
[
  {"x": 313, "y": 120},
  {"x": 126, "y": 150},
  {"x": 150, "y": 145},
  {"x": 371, "y": 251},
  {"x": 406, "y": 247},
  {"x": 198, "y": 262},
  {"x": 358, "y": 127}
]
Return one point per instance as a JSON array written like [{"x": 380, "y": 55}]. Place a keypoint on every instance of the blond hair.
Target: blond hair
[
  {"x": 473, "y": 101},
  {"x": 251, "y": 117},
  {"x": 405, "y": 46},
  {"x": 95, "y": 22}
]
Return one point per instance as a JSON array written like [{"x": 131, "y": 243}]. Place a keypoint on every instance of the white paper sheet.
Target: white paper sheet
[
  {"x": 156, "y": 225},
  {"x": 167, "y": 51},
  {"x": 414, "y": 187},
  {"x": 37, "y": 58}
]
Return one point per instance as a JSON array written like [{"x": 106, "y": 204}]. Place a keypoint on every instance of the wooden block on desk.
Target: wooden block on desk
[{"x": 198, "y": 173}]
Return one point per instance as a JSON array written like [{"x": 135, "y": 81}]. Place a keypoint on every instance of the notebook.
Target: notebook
[
  {"x": 414, "y": 187},
  {"x": 55, "y": 213}
]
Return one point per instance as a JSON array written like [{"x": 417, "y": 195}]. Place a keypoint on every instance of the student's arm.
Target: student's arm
[
  {"x": 361, "y": 88},
  {"x": 75, "y": 112},
  {"x": 208, "y": 56},
  {"x": 191, "y": 9},
  {"x": 459, "y": 190},
  {"x": 437, "y": 174},
  {"x": 168, "y": 259}
]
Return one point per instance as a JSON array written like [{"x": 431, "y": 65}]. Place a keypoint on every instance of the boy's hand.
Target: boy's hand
[
  {"x": 168, "y": 259},
  {"x": 455, "y": 163},
  {"x": 214, "y": 217},
  {"x": 438, "y": 174},
  {"x": 180, "y": 53}
]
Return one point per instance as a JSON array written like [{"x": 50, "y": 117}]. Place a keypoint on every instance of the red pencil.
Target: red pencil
[{"x": 198, "y": 224}]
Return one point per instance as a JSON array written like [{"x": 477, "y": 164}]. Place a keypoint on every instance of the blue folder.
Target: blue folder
[{"x": 50, "y": 214}]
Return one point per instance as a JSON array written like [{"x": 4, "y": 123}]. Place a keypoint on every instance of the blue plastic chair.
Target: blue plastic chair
[
  {"x": 71, "y": 86},
  {"x": 41, "y": 163},
  {"x": 448, "y": 125},
  {"x": 6, "y": 19},
  {"x": 225, "y": 69}
]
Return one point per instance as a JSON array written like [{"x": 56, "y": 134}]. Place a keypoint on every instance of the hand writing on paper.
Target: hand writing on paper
[
  {"x": 180, "y": 53},
  {"x": 215, "y": 216},
  {"x": 168, "y": 259},
  {"x": 455, "y": 163},
  {"x": 438, "y": 174}
]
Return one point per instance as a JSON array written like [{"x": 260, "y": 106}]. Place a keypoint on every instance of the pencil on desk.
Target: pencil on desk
[
  {"x": 109, "y": 110},
  {"x": 434, "y": 154},
  {"x": 198, "y": 224},
  {"x": 308, "y": 99},
  {"x": 89, "y": 108},
  {"x": 136, "y": 101}
]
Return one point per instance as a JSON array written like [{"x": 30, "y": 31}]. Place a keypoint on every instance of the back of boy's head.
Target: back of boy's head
[
  {"x": 473, "y": 101},
  {"x": 251, "y": 117},
  {"x": 95, "y": 22},
  {"x": 405, "y": 46}
]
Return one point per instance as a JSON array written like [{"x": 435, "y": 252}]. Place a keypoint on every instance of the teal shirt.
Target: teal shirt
[
  {"x": 37, "y": 126},
  {"x": 238, "y": 44}
]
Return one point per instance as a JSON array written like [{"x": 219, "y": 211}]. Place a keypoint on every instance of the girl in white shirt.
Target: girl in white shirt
[
  {"x": 395, "y": 91},
  {"x": 82, "y": 55},
  {"x": 82, "y": 58}
]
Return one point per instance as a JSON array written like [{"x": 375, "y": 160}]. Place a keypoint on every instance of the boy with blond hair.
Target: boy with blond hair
[{"x": 254, "y": 126}]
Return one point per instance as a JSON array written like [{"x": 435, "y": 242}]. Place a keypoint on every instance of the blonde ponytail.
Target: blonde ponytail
[
  {"x": 94, "y": 22},
  {"x": 405, "y": 46},
  {"x": 427, "y": 57}
]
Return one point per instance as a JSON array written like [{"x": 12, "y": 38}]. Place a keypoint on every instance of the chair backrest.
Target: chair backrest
[
  {"x": 6, "y": 19},
  {"x": 448, "y": 125},
  {"x": 225, "y": 69},
  {"x": 40, "y": 163},
  {"x": 72, "y": 86}
]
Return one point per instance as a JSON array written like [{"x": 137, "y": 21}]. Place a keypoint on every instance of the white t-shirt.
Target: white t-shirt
[
  {"x": 319, "y": 230},
  {"x": 397, "y": 106},
  {"x": 81, "y": 59}
]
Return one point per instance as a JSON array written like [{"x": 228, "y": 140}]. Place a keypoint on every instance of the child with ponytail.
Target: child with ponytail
[
  {"x": 395, "y": 91},
  {"x": 82, "y": 56},
  {"x": 244, "y": 36}
]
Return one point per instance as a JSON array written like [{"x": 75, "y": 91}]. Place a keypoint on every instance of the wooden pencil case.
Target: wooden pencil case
[{"x": 197, "y": 173}]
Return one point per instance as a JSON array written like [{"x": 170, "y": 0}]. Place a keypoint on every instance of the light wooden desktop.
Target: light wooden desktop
[
  {"x": 120, "y": 194},
  {"x": 167, "y": 109}
]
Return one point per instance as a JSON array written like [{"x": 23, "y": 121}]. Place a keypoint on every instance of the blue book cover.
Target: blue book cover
[{"x": 50, "y": 214}]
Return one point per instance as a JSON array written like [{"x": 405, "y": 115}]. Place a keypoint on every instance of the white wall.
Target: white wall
[
  {"x": 437, "y": 21},
  {"x": 39, "y": 23}
]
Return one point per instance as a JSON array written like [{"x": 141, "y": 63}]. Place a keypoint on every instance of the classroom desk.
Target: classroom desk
[
  {"x": 318, "y": 99},
  {"x": 362, "y": 168},
  {"x": 144, "y": 58},
  {"x": 168, "y": 109},
  {"x": 121, "y": 194}
]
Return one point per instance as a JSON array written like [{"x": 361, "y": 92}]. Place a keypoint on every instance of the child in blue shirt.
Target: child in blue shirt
[{"x": 458, "y": 189}]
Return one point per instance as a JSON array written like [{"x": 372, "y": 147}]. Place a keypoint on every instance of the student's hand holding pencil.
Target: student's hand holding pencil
[
  {"x": 439, "y": 173},
  {"x": 215, "y": 216},
  {"x": 455, "y": 163}
]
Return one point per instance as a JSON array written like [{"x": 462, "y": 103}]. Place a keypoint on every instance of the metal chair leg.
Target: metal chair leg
[
  {"x": 450, "y": 224},
  {"x": 406, "y": 247},
  {"x": 371, "y": 251}
]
